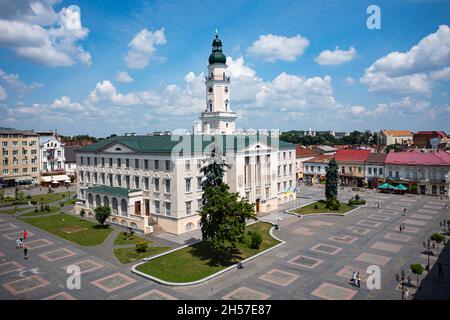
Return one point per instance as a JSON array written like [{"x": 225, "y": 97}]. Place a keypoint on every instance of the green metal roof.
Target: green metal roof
[
  {"x": 196, "y": 143},
  {"x": 115, "y": 191}
]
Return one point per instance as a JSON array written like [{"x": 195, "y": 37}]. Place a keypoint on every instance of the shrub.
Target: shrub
[
  {"x": 417, "y": 269},
  {"x": 437, "y": 237},
  {"x": 357, "y": 197},
  {"x": 316, "y": 206},
  {"x": 333, "y": 204},
  {"x": 142, "y": 247},
  {"x": 255, "y": 239},
  {"x": 33, "y": 202},
  {"x": 356, "y": 202},
  {"x": 82, "y": 213},
  {"x": 102, "y": 213},
  {"x": 61, "y": 204},
  {"x": 36, "y": 209},
  {"x": 28, "y": 197}
]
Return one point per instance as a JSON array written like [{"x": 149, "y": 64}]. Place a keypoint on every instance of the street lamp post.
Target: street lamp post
[
  {"x": 427, "y": 244},
  {"x": 443, "y": 224}
]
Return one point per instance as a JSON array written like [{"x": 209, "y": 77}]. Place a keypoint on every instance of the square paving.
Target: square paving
[
  {"x": 427, "y": 211},
  {"x": 343, "y": 239},
  {"x": 324, "y": 248},
  {"x": 10, "y": 266},
  {"x": 244, "y": 293},
  {"x": 386, "y": 247},
  {"x": 113, "y": 282},
  {"x": 8, "y": 226},
  {"x": 60, "y": 296},
  {"x": 432, "y": 207},
  {"x": 25, "y": 284},
  {"x": 359, "y": 230},
  {"x": 303, "y": 231},
  {"x": 305, "y": 262},
  {"x": 368, "y": 223},
  {"x": 87, "y": 265},
  {"x": 389, "y": 212},
  {"x": 154, "y": 294},
  {"x": 279, "y": 277},
  {"x": 409, "y": 229},
  {"x": 17, "y": 235},
  {"x": 39, "y": 243},
  {"x": 57, "y": 254},
  {"x": 330, "y": 291},
  {"x": 415, "y": 222},
  {"x": 398, "y": 237},
  {"x": 317, "y": 223},
  {"x": 421, "y": 216},
  {"x": 373, "y": 258},
  {"x": 379, "y": 217}
]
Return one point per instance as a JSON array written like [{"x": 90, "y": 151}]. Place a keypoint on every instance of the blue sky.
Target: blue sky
[{"x": 102, "y": 67}]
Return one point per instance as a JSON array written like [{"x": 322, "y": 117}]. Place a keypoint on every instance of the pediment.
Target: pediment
[{"x": 118, "y": 148}]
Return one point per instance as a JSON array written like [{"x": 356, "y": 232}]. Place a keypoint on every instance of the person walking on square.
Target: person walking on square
[
  {"x": 400, "y": 228},
  {"x": 403, "y": 226},
  {"x": 25, "y": 252},
  {"x": 406, "y": 294},
  {"x": 404, "y": 211},
  {"x": 353, "y": 280},
  {"x": 358, "y": 280},
  {"x": 25, "y": 235},
  {"x": 17, "y": 243}
]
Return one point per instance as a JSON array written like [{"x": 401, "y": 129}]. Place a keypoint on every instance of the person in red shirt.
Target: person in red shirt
[{"x": 24, "y": 235}]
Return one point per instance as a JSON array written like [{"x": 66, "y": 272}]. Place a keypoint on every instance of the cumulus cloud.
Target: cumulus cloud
[
  {"x": 105, "y": 91},
  {"x": 14, "y": 82},
  {"x": 349, "y": 81},
  {"x": 34, "y": 31},
  {"x": 413, "y": 71},
  {"x": 3, "y": 94},
  {"x": 64, "y": 103},
  {"x": 338, "y": 56},
  {"x": 273, "y": 47},
  {"x": 143, "y": 47},
  {"x": 124, "y": 77}
]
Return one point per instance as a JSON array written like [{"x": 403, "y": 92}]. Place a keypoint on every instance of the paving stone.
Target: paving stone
[
  {"x": 87, "y": 265},
  {"x": 368, "y": 223},
  {"x": 305, "y": 262},
  {"x": 10, "y": 266},
  {"x": 60, "y": 296},
  {"x": 279, "y": 277},
  {"x": 379, "y": 217},
  {"x": 154, "y": 294},
  {"x": 16, "y": 235},
  {"x": 317, "y": 223},
  {"x": 421, "y": 216},
  {"x": 303, "y": 231},
  {"x": 8, "y": 226},
  {"x": 427, "y": 211},
  {"x": 25, "y": 284},
  {"x": 389, "y": 212},
  {"x": 347, "y": 272},
  {"x": 359, "y": 230},
  {"x": 327, "y": 249},
  {"x": 39, "y": 243},
  {"x": 398, "y": 237},
  {"x": 343, "y": 239},
  {"x": 113, "y": 282},
  {"x": 408, "y": 229},
  {"x": 330, "y": 291},
  {"x": 386, "y": 247},
  {"x": 414, "y": 222},
  {"x": 373, "y": 258},
  {"x": 244, "y": 293},
  {"x": 56, "y": 255}
]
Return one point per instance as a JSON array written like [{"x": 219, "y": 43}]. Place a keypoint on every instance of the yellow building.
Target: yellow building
[
  {"x": 388, "y": 137},
  {"x": 19, "y": 157}
]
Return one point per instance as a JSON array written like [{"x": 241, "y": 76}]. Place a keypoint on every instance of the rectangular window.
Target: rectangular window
[
  {"x": 127, "y": 182},
  {"x": 5, "y": 171},
  {"x": 166, "y": 185},
  {"x": 136, "y": 163},
  {"x": 146, "y": 183},
  {"x": 119, "y": 162},
  {"x": 145, "y": 164},
  {"x": 199, "y": 183},
  {"x": 187, "y": 165},
  {"x": 110, "y": 162},
  {"x": 103, "y": 162},
  {"x": 81, "y": 161},
  {"x": 88, "y": 161},
  {"x": 157, "y": 206},
  {"x": 380, "y": 171},
  {"x": 199, "y": 163},
  {"x": 156, "y": 181},
  {"x": 167, "y": 165},
  {"x": 95, "y": 161},
  {"x": 95, "y": 177},
  {"x": 156, "y": 164},
  {"x": 103, "y": 178},
  {"x": 370, "y": 170},
  {"x": 188, "y": 207},
  {"x": 199, "y": 204},
  {"x": 137, "y": 208},
  {"x": 127, "y": 163},
  {"x": 188, "y": 185},
  {"x": 136, "y": 182},
  {"x": 168, "y": 208},
  {"x": 119, "y": 180},
  {"x": 110, "y": 179},
  {"x": 279, "y": 186}
]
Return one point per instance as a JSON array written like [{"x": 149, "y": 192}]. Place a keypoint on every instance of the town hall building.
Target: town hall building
[{"x": 155, "y": 180}]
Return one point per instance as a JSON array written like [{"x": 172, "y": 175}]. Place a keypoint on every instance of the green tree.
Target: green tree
[
  {"x": 102, "y": 213},
  {"x": 417, "y": 269},
  {"x": 438, "y": 238},
  {"x": 223, "y": 213},
  {"x": 331, "y": 183}
]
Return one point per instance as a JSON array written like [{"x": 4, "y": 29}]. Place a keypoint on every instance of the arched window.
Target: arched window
[
  {"x": 210, "y": 105},
  {"x": 90, "y": 201},
  {"x": 224, "y": 76},
  {"x": 106, "y": 201},
  {"x": 98, "y": 201},
  {"x": 226, "y": 105},
  {"x": 210, "y": 89},
  {"x": 115, "y": 206},
  {"x": 123, "y": 207}
]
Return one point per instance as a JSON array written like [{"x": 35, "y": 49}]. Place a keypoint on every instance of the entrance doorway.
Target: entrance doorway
[
  {"x": 422, "y": 189},
  {"x": 257, "y": 205}
]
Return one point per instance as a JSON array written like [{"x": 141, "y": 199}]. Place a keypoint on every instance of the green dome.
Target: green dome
[{"x": 217, "y": 55}]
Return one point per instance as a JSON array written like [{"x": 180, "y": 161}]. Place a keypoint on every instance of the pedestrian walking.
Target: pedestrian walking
[
  {"x": 353, "y": 279},
  {"x": 403, "y": 226},
  {"x": 21, "y": 242},
  {"x": 17, "y": 243},
  {"x": 400, "y": 227},
  {"x": 25, "y": 252},
  {"x": 440, "y": 270},
  {"x": 404, "y": 211},
  {"x": 25, "y": 235},
  {"x": 406, "y": 294},
  {"x": 358, "y": 280}
]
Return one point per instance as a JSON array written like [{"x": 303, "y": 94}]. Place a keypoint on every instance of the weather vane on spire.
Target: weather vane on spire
[{"x": 217, "y": 33}]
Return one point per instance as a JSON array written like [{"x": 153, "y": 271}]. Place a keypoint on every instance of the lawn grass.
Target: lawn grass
[
  {"x": 309, "y": 209},
  {"x": 89, "y": 234},
  {"x": 127, "y": 255},
  {"x": 201, "y": 260},
  {"x": 11, "y": 211},
  {"x": 45, "y": 197},
  {"x": 39, "y": 213},
  {"x": 125, "y": 238}
]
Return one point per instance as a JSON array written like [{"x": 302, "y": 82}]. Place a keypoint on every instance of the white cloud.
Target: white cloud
[
  {"x": 3, "y": 94},
  {"x": 273, "y": 47},
  {"x": 142, "y": 47},
  {"x": 413, "y": 71},
  {"x": 105, "y": 91},
  {"x": 34, "y": 31},
  {"x": 13, "y": 81},
  {"x": 338, "y": 56},
  {"x": 357, "y": 110},
  {"x": 443, "y": 74},
  {"x": 124, "y": 77},
  {"x": 65, "y": 104},
  {"x": 349, "y": 81}
]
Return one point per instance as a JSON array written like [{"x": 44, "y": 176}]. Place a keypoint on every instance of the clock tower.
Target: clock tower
[{"x": 217, "y": 117}]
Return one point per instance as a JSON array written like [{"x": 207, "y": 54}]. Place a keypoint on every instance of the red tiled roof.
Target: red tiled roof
[
  {"x": 352, "y": 155},
  {"x": 302, "y": 152},
  {"x": 376, "y": 157},
  {"x": 419, "y": 158},
  {"x": 398, "y": 133}
]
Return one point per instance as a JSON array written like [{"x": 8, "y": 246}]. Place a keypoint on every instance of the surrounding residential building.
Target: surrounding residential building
[
  {"x": 327, "y": 150},
  {"x": 302, "y": 154},
  {"x": 20, "y": 157},
  {"x": 352, "y": 166},
  {"x": 156, "y": 180},
  {"x": 52, "y": 160},
  {"x": 425, "y": 139},
  {"x": 314, "y": 169},
  {"x": 70, "y": 163},
  {"x": 374, "y": 169},
  {"x": 402, "y": 137},
  {"x": 424, "y": 173}
]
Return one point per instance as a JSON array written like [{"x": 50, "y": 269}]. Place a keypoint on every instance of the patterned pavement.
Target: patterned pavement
[{"x": 316, "y": 262}]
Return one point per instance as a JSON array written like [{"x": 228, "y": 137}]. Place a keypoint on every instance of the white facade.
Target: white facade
[
  {"x": 52, "y": 154},
  {"x": 374, "y": 170}
]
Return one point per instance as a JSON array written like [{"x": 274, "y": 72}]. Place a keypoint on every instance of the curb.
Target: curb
[
  {"x": 323, "y": 213},
  {"x": 168, "y": 283}
]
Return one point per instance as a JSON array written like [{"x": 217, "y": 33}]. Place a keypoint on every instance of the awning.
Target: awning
[{"x": 58, "y": 178}]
